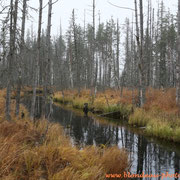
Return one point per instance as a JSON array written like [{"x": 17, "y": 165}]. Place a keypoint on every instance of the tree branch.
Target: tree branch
[
  {"x": 55, "y": 2},
  {"x": 120, "y": 6},
  {"x": 1, "y": 11},
  {"x": 45, "y": 5}
]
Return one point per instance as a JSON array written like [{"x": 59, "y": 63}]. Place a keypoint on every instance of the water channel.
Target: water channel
[{"x": 146, "y": 154}]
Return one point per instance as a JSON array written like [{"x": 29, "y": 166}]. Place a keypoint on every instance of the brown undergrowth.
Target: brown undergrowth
[
  {"x": 164, "y": 100},
  {"x": 28, "y": 151}
]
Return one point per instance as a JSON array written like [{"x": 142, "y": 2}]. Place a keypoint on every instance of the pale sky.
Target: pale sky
[{"x": 62, "y": 10}]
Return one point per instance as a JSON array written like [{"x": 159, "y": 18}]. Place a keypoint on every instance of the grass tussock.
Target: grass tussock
[
  {"x": 31, "y": 151},
  {"x": 26, "y": 155},
  {"x": 157, "y": 123},
  {"x": 161, "y": 129},
  {"x": 160, "y": 115},
  {"x": 139, "y": 118}
]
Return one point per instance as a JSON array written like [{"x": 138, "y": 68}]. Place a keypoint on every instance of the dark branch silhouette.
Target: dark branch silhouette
[{"x": 120, "y": 6}]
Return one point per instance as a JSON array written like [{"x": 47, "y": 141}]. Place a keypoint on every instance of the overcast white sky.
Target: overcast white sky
[{"x": 62, "y": 10}]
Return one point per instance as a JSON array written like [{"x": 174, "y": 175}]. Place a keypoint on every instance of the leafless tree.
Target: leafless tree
[
  {"x": 11, "y": 55},
  {"x": 178, "y": 59},
  {"x": 37, "y": 61},
  {"x": 21, "y": 56}
]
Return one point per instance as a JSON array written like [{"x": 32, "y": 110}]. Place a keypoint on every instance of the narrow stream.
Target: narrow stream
[{"x": 146, "y": 155}]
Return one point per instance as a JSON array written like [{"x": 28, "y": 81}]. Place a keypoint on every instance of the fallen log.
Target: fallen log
[{"x": 115, "y": 115}]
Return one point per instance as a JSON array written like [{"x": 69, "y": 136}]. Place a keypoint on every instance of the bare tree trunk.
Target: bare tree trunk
[
  {"x": 100, "y": 69},
  {"x": 137, "y": 39},
  {"x": 36, "y": 70},
  {"x": 49, "y": 46},
  {"x": 140, "y": 42},
  {"x": 152, "y": 39},
  {"x": 178, "y": 60},
  {"x": 93, "y": 53},
  {"x": 21, "y": 58},
  {"x": 70, "y": 64},
  {"x": 11, "y": 56},
  {"x": 156, "y": 69},
  {"x": 141, "y": 65},
  {"x": 47, "y": 63},
  {"x": 96, "y": 76},
  {"x": 76, "y": 53},
  {"x": 48, "y": 77},
  {"x": 132, "y": 64},
  {"x": 117, "y": 55}
]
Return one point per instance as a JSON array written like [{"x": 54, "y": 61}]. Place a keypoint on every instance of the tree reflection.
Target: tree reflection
[{"x": 146, "y": 156}]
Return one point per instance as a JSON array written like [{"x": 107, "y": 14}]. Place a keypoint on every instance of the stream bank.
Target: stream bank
[
  {"x": 154, "y": 121},
  {"x": 145, "y": 154},
  {"x": 41, "y": 150}
]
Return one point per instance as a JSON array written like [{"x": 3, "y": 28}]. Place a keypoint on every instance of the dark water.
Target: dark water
[{"x": 146, "y": 155}]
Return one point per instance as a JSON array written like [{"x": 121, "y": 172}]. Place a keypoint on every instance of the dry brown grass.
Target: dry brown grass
[
  {"x": 13, "y": 104},
  {"x": 28, "y": 153},
  {"x": 164, "y": 100},
  {"x": 106, "y": 101},
  {"x": 23, "y": 155}
]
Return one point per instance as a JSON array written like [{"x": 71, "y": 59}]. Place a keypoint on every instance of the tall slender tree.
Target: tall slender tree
[
  {"x": 37, "y": 61},
  {"x": 178, "y": 60},
  {"x": 21, "y": 57},
  {"x": 11, "y": 55}
]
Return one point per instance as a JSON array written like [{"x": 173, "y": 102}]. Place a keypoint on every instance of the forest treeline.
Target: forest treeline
[{"x": 139, "y": 54}]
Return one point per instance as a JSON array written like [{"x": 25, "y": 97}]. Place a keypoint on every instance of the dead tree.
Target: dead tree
[
  {"x": 178, "y": 60},
  {"x": 48, "y": 80},
  {"x": 76, "y": 52},
  {"x": 36, "y": 70},
  {"x": 93, "y": 55},
  {"x": 11, "y": 55},
  {"x": 48, "y": 77},
  {"x": 141, "y": 65},
  {"x": 140, "y": 43},
  {"x": 22, "y": 44}
]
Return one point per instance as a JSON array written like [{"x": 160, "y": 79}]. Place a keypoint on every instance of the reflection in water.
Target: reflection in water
[{"x": 146, "y": 156}]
